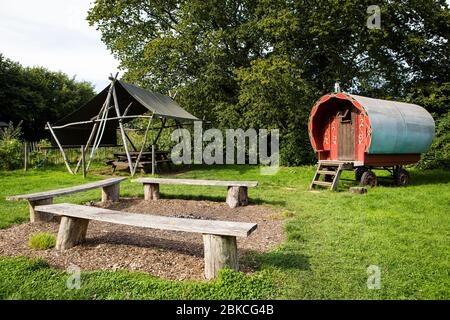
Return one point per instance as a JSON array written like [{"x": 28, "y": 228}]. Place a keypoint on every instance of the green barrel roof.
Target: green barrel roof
[{"x": 397, "y": 127}]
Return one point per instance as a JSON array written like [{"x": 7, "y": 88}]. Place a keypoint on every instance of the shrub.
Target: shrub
[
  {"x": 38, "y": 157},
  {"x": 439, "y": 154},
  {"x": 10, "y": 147},
  {"x": 42, "y": 241}
]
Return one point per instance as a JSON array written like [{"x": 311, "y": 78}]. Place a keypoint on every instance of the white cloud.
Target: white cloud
[{"x": 55, "y": 34}]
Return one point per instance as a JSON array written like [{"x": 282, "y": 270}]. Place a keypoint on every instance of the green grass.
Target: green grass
[
  {"x": 42, "y": 241},
  {"x": 331, "y": 240},
  {"x": 33, "y": 279}
]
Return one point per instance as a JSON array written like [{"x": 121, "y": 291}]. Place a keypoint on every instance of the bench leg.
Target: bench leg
[
  {"x": 72, "y": 231},
  {"x": 243, "y": 196},
  {"x": 151, "y": 191},
  {"x": 237, "y": 196},
  {"x": 111, "y": 193},
  {"x": 220, "y": 252},
  {"x": 40, "y": 216}
]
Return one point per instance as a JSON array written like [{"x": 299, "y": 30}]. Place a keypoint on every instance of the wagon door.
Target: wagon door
[{"x": 346, "y": 134}]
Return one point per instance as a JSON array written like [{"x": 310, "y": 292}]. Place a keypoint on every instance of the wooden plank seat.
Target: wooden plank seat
[
  {"x": 237, "y": 190},
  {"x": 219, "y": 237},
  {"x": 110, "y": 192}
]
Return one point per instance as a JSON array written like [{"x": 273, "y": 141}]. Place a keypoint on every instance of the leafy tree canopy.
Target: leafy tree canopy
[
  {"x": 263, "y": 63},
  {"x": 37, "y": 95}
]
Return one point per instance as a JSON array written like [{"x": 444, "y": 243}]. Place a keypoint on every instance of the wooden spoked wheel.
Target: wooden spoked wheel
[
  {"x": 359, "y": 171},
  {"x": 401, "y": 177},
  {"x": 368, "y": 178}
]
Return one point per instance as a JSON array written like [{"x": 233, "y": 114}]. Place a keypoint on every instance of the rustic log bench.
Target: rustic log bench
[
  {"x": 110, "y": 192},
  {"x": 219, "y": 237},
  {"x": 237, "y": 190}
]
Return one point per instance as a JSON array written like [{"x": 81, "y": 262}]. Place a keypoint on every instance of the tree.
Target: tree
[
  {"x": 37, "y": 95},
  {"x": 239, "y": 61}
]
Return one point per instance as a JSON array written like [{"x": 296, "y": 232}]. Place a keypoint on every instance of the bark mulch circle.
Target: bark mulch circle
[{"x": 166, "y": 254}]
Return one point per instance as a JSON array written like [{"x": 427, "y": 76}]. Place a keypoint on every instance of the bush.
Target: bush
[
  {"x": 10, "y": 147},
  {"x": 38, "y": 157},
  {"x": 42, "y": 241},
  {"x": 439, "y": 154}
]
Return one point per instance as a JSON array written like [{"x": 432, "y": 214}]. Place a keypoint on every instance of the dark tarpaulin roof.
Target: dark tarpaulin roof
[
  {"x": 141, "y": 101},
  {"x": 160, "y": 105}
]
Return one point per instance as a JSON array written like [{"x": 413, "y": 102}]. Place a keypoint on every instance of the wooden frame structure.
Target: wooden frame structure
[{"x": 100, "y": 121}]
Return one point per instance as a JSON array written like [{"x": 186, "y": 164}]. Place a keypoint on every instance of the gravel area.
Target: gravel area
[{"x": 166, "y": 254}]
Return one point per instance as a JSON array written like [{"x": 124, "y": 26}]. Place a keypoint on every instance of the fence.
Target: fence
[{"x": 36, "y": 155}]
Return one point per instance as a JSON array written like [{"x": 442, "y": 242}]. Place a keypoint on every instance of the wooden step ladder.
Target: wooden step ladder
[{"x": 327, "y": 169}]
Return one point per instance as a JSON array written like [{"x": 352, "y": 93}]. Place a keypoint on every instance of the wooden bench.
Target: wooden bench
[
  {"x": 219, "y": 237},
  {"x": 237, "y": 190},
  {"x": 110, "y": 192}
]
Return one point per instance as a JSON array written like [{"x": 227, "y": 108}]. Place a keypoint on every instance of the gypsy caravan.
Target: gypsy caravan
[{"x": 351, "y": 132}]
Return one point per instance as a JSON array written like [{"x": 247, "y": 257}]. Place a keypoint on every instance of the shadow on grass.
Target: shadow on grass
[
  {"x": 241, "y": 169},
  {"x": 280, "y": 259},
  {"x": 417, "y": 178},
  {"x": 429, "y": 177}
]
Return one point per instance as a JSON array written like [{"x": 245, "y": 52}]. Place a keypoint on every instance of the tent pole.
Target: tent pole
[
  {"x": 154, "y": 140},
  {"x": 153, "y": 159},
  {"x": 99, "y": 120},
  {"x": 94, "y": 128},
  {"x": 142, "y": 148},
  {"x": 122, "y": 131},
  {"x": 101, "y": 129},
  {"x": 126, "y": 110},
  {"x": 131, "y": 142},
  {"x": 153, "y": 150},
  {"x": 102, "y": 124},
  {"x": 163, "y": 123},
  {"x": 60, "y": 148}
]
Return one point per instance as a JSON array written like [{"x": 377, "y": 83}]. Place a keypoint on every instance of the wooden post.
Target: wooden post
[
  {"x": 153, "y": 159},
  {"x": 122, "y": 130},
  {"x": 243, "y": 196},
  {"x": 72, "y": 231},
  {"x": 237, "y": 196},
  {"x": 83, "y": 161},
  {"x": 151, "y": 191},
  {"x": 111, "y": 193},
  {"x": 220, "y": 252},
  {"x": 25, "y": 160},
  {"x": 39, "y": 216}
]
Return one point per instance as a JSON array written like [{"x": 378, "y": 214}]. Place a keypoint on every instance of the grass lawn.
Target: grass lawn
[{"x": 332, "y": 238}]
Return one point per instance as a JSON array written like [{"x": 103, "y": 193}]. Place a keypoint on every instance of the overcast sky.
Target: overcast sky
[{"x": 55, "y": 34}]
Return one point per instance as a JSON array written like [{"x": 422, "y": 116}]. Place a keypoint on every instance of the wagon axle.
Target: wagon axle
[{"x": 366, "y": 177}]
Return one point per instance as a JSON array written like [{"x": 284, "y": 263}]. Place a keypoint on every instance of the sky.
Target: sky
[{"x": 55, "y": 34}]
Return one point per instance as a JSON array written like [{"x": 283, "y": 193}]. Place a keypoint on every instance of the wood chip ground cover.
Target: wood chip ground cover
[{"x": 166, "y": 254}]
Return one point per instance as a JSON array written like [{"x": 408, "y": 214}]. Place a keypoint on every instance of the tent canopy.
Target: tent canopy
[{"x": 134, "y": 99}]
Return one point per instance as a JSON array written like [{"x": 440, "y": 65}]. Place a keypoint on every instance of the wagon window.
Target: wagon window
[{"x": 346, "y": 115}]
